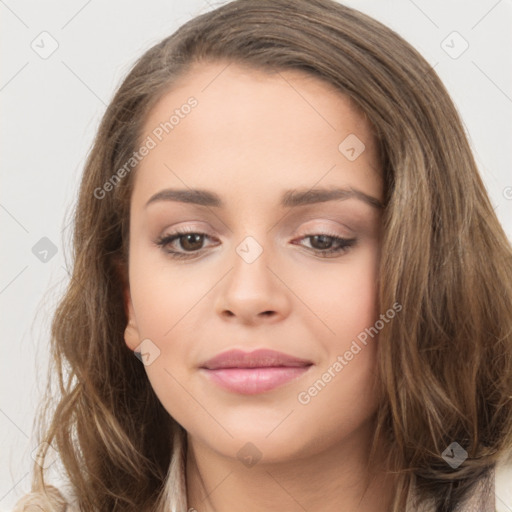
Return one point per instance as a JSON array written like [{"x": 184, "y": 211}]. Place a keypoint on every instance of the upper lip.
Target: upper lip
[{"x": 256, "y": 359}]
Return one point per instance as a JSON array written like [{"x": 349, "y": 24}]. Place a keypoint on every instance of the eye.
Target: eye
[
  {"x": 190, "y": 243},
  {"x": 326, "y": 245}
]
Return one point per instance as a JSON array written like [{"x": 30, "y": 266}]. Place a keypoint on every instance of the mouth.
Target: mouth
[
  {"x": 262, "y": 358},
  {"x": 255, "y": 372}
]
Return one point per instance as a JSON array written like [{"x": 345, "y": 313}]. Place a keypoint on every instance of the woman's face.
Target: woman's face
[{"x": 255, "y": 271}]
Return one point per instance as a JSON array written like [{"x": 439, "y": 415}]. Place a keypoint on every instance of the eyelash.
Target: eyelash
[{"x": 344, "y": 244}]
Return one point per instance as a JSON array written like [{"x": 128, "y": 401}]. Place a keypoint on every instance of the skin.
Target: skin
[{"x": 252, "y": 136}]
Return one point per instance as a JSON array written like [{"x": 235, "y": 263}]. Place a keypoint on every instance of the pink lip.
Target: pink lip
[{"x": 253, "y": 372}]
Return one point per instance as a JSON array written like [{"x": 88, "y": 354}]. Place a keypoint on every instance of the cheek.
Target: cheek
[
  {"x": 345, "y": 297},
  {"x": 173, "y": 310},
  {"x": 168, "y": 297},
  {"x": 342, "y": 392},
  {"x": 171, "y": 304},
  {"x": 162, "y": 292},
  {"x": 162, "y": 297},
  {"x": 162, "y": 300},
  {"x": 348, "y": 307}
]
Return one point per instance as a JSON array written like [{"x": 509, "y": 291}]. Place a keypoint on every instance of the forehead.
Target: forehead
[
  {"x": 242, "y": 90},
  {"x": 257, "y": 130}
]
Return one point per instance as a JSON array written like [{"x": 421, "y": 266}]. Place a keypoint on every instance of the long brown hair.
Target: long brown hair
[{"x": 445, "y": 363}]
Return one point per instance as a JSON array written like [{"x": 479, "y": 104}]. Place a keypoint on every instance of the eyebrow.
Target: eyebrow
[{"x": 289, "y": 199}]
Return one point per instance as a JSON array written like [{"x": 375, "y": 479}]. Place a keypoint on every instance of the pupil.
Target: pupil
[
  {"x": 325, "y": 241},
  {"x": 194, "y": 238}
]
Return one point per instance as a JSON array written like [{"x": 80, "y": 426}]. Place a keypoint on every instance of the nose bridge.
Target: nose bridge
[
  {"x": 251, "y": 236},
  {"x": 250, "y": 249},
  {"x": 252, "y": 255},
  {"x": 251, "y": 289}
]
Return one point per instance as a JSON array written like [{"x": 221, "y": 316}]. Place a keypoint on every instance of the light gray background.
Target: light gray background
[{"x": 51, "y": 109}]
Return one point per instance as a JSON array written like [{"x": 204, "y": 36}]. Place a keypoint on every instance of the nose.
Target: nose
[{"x": 253, "y": 291}]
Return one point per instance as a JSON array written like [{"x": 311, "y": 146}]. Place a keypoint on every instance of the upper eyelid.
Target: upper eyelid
[
  {"x": 176, "y": 235},
  {"x": 304, "y": 232},
  {"x": 312, "y": 229},
  {"x": 354, "y": 220}
]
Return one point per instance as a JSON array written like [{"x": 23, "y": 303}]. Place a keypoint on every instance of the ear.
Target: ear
[{"x": 131, "y": 333}]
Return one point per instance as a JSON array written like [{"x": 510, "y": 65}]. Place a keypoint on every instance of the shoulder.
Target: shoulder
[
  {"x": 504, "y": 487},
  {"x": 483, "y": 498},
  {"x": 53, "y": 500},
  {"x": 493, "y": 494}
]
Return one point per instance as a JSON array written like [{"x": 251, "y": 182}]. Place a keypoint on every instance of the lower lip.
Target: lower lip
[{"x": 251, "y": 381}]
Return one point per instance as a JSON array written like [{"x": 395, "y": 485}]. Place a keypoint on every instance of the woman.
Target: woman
[{"x": 282, "y": 218}]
